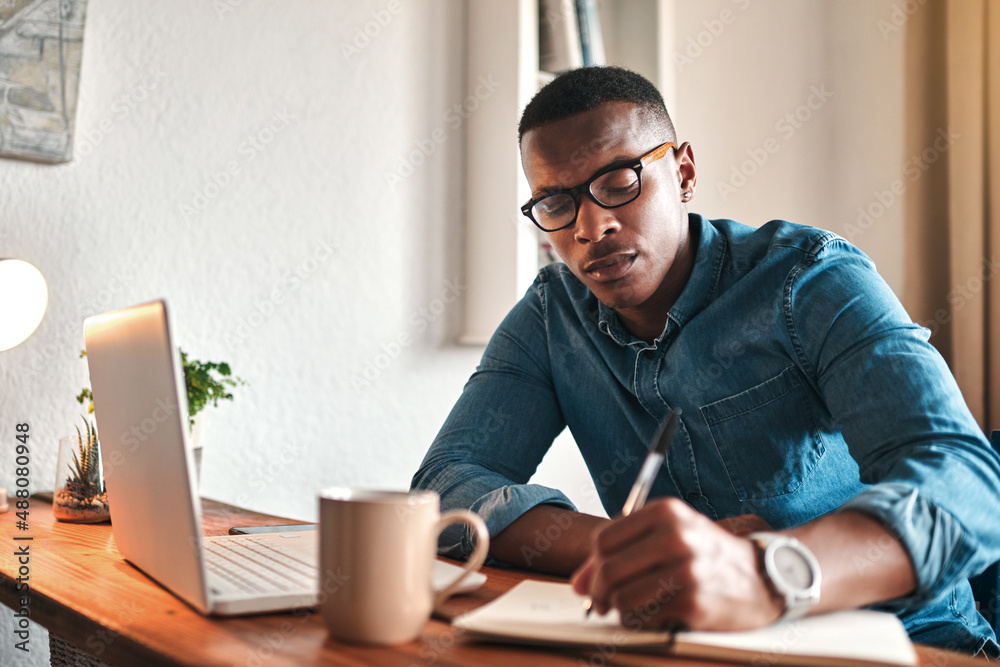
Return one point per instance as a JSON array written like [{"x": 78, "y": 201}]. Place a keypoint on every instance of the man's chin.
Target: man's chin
[{"x": 614, "y": 296}]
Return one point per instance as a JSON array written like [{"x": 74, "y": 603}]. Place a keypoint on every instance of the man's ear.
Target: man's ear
[{"x": 685, "y": 168}]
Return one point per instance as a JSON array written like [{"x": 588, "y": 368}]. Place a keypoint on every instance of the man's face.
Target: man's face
[{"x": 636, "y": 257}]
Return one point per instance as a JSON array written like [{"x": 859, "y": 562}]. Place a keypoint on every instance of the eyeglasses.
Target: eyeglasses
[{"x": 611, "y": 187}]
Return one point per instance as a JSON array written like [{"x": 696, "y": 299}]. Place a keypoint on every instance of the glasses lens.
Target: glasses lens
[
  {"x": 554, "y": 211},
  {"x": 617, "y": 187}
]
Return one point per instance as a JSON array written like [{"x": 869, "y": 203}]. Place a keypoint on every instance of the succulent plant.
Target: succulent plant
[{"x": 85, "y": 480}]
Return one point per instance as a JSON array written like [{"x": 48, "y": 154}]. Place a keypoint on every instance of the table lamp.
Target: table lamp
[{"x": 23, "y": 297}]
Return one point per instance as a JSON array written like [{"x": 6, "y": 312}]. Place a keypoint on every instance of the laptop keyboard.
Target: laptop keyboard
[{"x": 257, "y": 566}]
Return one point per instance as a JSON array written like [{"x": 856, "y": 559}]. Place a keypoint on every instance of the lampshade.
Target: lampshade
[{"x": 23, "y": 297}]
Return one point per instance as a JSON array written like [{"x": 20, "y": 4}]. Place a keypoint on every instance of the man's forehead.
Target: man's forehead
[{"x": 613, "y": 131}]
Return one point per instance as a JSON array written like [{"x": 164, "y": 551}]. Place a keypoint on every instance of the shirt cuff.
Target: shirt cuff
[
  {"x": 498, "y": 508},
  {"x": 938, "y": 545}
]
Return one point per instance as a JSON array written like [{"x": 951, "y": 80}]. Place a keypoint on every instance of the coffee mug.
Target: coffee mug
[{"x": 380, "y": 547}]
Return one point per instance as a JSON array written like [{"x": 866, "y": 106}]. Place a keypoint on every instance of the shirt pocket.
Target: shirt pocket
[{"x": 766, "y": 437}]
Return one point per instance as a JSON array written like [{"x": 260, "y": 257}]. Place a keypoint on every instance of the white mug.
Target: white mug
[{"x": 381, "y": 547}]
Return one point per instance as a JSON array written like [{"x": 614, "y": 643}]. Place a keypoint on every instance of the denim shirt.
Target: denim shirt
[{"x": 804, "y": 388}]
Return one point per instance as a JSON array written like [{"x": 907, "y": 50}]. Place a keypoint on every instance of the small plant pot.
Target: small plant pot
[{"x": 76, "y": 500}]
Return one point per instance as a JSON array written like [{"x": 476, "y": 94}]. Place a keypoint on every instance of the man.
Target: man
[{"x": 812, "y": 407}]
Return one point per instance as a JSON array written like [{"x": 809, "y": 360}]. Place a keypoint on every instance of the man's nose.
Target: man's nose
[{"x": 593, "y": 221}]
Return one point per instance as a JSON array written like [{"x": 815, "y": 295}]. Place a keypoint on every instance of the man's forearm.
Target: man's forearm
[
  {"x": 862, "y": 562},
  {"x": 546, "y": 538}
]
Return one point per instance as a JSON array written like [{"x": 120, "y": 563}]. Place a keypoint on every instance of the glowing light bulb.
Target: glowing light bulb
[{"x": 23, "y": 298}]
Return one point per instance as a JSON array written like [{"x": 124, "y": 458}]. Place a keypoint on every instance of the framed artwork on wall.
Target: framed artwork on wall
[{"x": 41, "y": 44}]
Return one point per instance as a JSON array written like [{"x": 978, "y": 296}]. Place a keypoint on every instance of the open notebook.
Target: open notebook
[{"x": 546, "y": 613}]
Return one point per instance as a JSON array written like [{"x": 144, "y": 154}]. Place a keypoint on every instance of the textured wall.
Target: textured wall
[
  {"x": 796, "y": 111},
  {"x": 240, "y": 164},
  {"x": 236, "y": 164}
]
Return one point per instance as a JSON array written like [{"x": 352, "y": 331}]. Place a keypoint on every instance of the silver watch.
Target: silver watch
[{"x": 790, "y": 570}]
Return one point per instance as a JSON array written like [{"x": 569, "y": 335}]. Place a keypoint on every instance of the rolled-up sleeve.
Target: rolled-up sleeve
[
  {"x": 935, "y": 480},
  {"x": 498, "y": 432}
]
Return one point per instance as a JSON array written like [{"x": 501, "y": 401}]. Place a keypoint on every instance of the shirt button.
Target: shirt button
[{"x": 693, "y": 497}]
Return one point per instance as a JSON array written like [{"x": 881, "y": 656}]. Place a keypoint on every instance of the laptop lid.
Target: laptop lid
[{"x": 141, "y": 413}]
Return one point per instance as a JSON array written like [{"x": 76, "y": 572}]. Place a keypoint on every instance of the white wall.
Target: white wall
[
  {"x": 744, "y": 66},
  {"x": 300, "y": 266},
  {"x": 171, "y": 94}
]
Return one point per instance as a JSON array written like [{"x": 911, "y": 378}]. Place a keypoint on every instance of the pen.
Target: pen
[{"x": 647, "y": 474}]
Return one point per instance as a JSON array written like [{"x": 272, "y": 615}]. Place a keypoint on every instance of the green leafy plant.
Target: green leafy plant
[
  {"x": 204, "y": 381},
  {"x": 207, "y": 382},
  {"x": 85, "y": 479}
]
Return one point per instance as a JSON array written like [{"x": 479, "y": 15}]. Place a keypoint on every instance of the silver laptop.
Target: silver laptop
[{"x": 141, "y": 411}]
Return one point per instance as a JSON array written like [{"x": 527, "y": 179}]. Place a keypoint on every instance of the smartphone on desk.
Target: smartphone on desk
[{"x": 285, "y": 528}]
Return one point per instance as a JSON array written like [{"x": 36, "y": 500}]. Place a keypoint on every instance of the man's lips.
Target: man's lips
[{"x": 610, "y": 267}]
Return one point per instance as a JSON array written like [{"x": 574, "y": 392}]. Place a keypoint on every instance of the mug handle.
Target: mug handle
[{"x": 478, "y": 556}]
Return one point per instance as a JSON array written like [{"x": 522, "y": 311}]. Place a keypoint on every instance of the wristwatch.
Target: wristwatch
[{"x": 790, "y": 570}]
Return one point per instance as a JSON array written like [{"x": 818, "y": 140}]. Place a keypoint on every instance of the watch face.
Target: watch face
[{"x": 792, "y": 567}]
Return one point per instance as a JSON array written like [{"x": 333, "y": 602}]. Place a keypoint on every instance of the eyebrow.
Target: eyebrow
[{"x": 617, "y": 161}]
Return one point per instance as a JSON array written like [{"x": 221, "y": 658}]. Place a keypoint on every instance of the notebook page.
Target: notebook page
[{"x": 537, "y": 612}]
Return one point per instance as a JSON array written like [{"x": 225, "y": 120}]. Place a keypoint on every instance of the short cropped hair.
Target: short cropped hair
[{"x": 583, "y": 89}]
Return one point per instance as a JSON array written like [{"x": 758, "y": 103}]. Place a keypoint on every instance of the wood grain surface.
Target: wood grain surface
[{"x": 82, "y": 590}]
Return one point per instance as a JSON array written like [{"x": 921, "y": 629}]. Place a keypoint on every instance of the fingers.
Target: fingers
[
  {"x": 643, "y": 547},
  {"x": 669, "y": 565},
  {"x": 665, "y": 513},
  {"x": 581, "y": 579}
]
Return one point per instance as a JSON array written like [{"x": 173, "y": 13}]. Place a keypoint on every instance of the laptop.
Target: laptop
[{"x": 141, "y": 410}]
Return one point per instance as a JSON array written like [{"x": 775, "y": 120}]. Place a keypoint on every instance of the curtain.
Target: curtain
[{"x": 952, "y": 189}]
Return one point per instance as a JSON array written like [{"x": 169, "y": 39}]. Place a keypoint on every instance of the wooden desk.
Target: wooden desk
[{"x": 84, "y": 592}]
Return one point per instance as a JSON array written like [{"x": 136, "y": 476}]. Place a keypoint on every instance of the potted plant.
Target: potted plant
[
  {"x": 205, "y": 382},
  {"x": 80, "y": 496}
]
